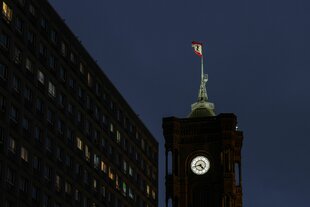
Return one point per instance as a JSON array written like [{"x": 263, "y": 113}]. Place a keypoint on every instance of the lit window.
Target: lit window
[
  {"x": 63, "y": 49},
  {"x": 81, "y": 68},
  {"x": 51, "y": 89},
  {"x": 89, "y": 80},
  {"x": 57, "y": 183},
  {"x": 40, "y": 77},
  {"x": 153, "y": 194},
  {"x": 111, "y": 127},
  {"x": 79, "y": 143},
  {"x": 96, "y": 161},
  {"x": 67, "y": 188},
  {"x": 130, "y": 171},
  {"x": 24, "y": 154},
  {"x": 111, "y": 174},
  {"x": 11, "y": 145},
  {"x": 29, "y": 65},
  {"x": 87, "y": 153},
  {"x": 124, "y": 189},
  {"x": 7, "y": 12},
  {"x": 103, "y": 167},
  {"x": 148, "y": 190},
  {"x": 118, "y": 137},
  {"x": 72, "y": 57},
  {"x": 116, "y": 182},
  {"x": 77, "y": 195},
  {"x": 125, "y": 166},
  {"x": 130, "y": 193},
  {"x": 95, "y": 184}
]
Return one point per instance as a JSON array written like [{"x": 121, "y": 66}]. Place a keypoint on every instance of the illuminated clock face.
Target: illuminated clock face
[{"x": 200, "y": 165}]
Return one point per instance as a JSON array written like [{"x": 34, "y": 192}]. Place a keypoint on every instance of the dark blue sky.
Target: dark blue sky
[{"x": 258, "y": 64}]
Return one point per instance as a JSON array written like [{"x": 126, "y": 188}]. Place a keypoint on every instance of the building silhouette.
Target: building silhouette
[
  {"x": 67, "y": 136},
  {"x": 203, "y": 157}
]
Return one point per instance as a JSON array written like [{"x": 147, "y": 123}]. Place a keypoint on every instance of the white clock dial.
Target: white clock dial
[{"x": 200, "y": 165}]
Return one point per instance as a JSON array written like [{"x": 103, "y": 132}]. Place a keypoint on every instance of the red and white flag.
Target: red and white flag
[{"x": 197, "y": 48}]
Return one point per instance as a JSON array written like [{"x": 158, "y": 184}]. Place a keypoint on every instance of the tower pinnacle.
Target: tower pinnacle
[{"x": 202, "y": 107}]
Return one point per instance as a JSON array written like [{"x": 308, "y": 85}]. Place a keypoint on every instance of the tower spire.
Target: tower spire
[{"x": 202, "y": 107}]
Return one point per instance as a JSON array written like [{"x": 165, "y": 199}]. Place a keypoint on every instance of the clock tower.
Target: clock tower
[{"x": 203, "y": 157}]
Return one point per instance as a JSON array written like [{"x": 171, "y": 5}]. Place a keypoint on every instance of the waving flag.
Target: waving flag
[{"x": 197, "y": 48}]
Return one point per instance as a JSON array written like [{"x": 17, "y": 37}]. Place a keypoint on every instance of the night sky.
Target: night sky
[{"x": 258, "y": 61}]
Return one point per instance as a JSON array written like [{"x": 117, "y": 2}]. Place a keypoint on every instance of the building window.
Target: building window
[
  {"x": 34, "y": 193},
  {"x": 130, "y": 193},
  {"x": 16, "y": 84},
  {"x": 96, "y": 161},
  {"x": 49, "y": 116},
  {"x": 111, "y": 174},
  {"x": 3, "y": 71},
  {"x": 79, "y": 143},
  {"x": 124, "y": 166},
  {"x": 52, "y": 62},
  {"x": 62, "y": 74},
  {"x": 17, "y": 55},
  {"x": 11, "y": 145},
  {"x": 2, "y": 103},
  {"x": 118, "y": 137},
  {"x": 48, "y": 144},
  {"x": 87, "y": 153},
  {"x": 68, "y": 188},
  {"x": 40, "y": 77},
  {"x": 153, "y": 194},
  {"x": 32, "y": 10},
  {"x": 72, "y": 57},
  {"x": 25, "y": 123},
  {"x": 29, "y": 65},
  {"x": 10, "y": 176},
  {"x": 14, "y": 114},
  {"x": 89, "y": 80},
  {"x": 31, "y": 38},
  {"x": 4, "y": 41},
  {"x": 42, "y": 50},
  {"x": 27, "y": 94},
  {"x": 7, "y": 12},
  {"x": 54, "y": 36},
  {"x": 51, "y": 89},
  {"x": 77, "y": 195},
  {"x": 39, "y": 105},
  {"x": 124, "y": 189},
  {"x": 57, "y": 183},
  {"x": 63, "y": 49},
  {"x": 19, "y": 24},
  {"x": 81, "y": 67},
  {"x": 43, "y": 23},
  {"x": 130, "y": 171},
  {"x": 103, "y": 167},
  {"x": 24, "y": 185},
  {"x": 36, "y": 163}
]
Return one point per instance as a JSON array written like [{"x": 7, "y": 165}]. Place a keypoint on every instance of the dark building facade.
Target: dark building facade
[
  {"x": 203, "y": 157},
  {"x": 67, "y": 136}
]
